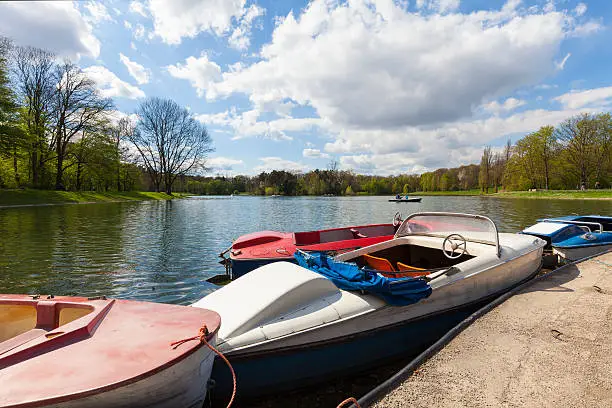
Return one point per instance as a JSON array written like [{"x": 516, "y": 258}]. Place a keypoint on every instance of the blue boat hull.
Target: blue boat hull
[
  {"x": 242, "y": 267},
  {"x": 285, "y": 370}
]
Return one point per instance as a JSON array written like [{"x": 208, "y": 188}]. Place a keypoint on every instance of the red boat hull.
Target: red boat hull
[
  {"x": 78, "y": 352},
  {"x": 259, "y": 248}
]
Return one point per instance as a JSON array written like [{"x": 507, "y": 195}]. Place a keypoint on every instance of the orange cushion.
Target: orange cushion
[
  {"x": 412, "y": 271},
  {"x": 378, "y": 264}
]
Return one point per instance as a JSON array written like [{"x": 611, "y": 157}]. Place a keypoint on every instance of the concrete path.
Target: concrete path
[{"x": 548, "y": 346}]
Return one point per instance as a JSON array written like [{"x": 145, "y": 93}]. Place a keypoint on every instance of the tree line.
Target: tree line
[
  {"x": 57, "y": 131},
  {"x": 574, "y": 155}
]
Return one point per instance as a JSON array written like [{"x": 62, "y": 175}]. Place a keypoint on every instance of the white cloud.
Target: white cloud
[
  {"x": 133, "y": 46},
  {"x": 246, "y": 124},
  {"x": 137, "y": 71},
  {"x": 315, "y": 154},
  {"x": 139, "y": 32},
  {"x": 138, "y": 8},
  {"x": 97, "y": 12},
  {"x": 586, "y": 29},
  {"x": 240, "y": 37},
  {"x": 508, "y": 105},
  {"x": 110, "y": 85},
  {"x": 127, "y": 24},
  {"x": 441, "y": 6},
  {"x": 217, "y": 164},
  {"x": 56, "y": 26},
  {"x": 369, "y": 65},
  {"x": 580, "y": 9},
  {"x": 599, "y": 97},
  {"x": 560, "y": 65},
  {"x": 117, "y": 11},
  {"x": 276, "y": 163},
  {"x": 200, "y": 72},
  {"x": 175, "y": 20}
]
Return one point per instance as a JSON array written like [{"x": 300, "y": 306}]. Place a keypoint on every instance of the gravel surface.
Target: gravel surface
[{"x": 548, "y": 346}]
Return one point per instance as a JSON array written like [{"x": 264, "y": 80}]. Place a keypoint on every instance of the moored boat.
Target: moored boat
[
  {"x": 406, "y": 200},
  {"x": 88, "y": 353},
  {"x": 300, "y": 325},
  {"x": 253, "y": 250},
  {"x": 574, "y": 237}
]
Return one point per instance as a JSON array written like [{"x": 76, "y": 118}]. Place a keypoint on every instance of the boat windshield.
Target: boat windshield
[{"x": 476, "y": 228}]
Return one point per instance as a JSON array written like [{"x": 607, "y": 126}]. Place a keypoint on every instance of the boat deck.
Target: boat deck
[{"x": 547, "y": 346}]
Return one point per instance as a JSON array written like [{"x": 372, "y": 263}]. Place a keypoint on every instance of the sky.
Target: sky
[{"x": 380, "y": 86}]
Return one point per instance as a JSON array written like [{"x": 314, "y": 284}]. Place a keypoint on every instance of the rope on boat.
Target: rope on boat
[
  {"x": 346, "y": 401},
  {"x": 202, "y": 334}
]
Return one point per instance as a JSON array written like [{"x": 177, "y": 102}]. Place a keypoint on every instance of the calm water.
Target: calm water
[{"x": 165, "y": 251}]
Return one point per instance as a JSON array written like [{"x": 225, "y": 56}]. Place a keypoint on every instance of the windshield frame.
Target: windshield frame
[{"x": 450, "y": 214}]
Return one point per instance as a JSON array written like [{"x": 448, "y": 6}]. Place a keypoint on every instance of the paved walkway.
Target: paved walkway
[{"x": 548, "y": 346}]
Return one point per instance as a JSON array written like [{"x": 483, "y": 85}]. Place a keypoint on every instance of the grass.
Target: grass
[
  {"x": 45, "y": 197},
  {"x": 559, "y": 194},
  {"x": 540, "y": 194},
  {"x": 474, "y": 192}
]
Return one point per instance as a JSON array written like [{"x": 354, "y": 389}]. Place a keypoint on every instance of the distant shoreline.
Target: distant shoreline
[{"x": 43, "y": 198}]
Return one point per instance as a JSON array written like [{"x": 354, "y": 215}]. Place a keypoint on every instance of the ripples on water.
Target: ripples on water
[{"x": 165, "y": 250}]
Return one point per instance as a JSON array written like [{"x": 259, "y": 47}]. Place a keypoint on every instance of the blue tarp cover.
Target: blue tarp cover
[{"x": 348, "y": 276}]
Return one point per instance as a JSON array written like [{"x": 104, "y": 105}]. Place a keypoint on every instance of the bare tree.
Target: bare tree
[
  {"x": 171, "y": 142},
  {"x": 123, "y": 131},
  {"x": 78, "y": 108},
  {"x": 34, "y": 69}
]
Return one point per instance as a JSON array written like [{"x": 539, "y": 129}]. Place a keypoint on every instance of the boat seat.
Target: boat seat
[
  {"x": 378, "y": 264},
  {"x": 411, "y": 271},
  {"x": 21, "y": 339}
]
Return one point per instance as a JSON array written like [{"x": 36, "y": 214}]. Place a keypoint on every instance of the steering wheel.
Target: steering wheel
[
  {"x": 457, "y": 242},
  {"x": 397, "y": 219}
]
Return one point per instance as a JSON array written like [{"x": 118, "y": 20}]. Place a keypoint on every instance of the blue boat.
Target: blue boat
[
  {"x": 286, "y": 325},
  {"x": 574, "y": 237}
]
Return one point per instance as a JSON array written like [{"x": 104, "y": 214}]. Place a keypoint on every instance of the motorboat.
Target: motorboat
[
  {"x": 405, "y": 200},
  {"x": 330, "y": 316},
  {"x": 574, "y": 237},
  {"x": 260, "y": 248},
  {"x": 69, "y": 352}
]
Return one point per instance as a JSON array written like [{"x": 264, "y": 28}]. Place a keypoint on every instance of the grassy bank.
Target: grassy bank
[
  {"x": 45, "y": 197},
  {"x": 559, "y": 194},
  {"x": 550, "y": 194},
  {"x": 474, "y": 192}
]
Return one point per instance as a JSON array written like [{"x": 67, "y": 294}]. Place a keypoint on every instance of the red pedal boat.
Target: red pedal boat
[
  {"x": 88, "y": 353},
  {"x": 253, "y": 250}
]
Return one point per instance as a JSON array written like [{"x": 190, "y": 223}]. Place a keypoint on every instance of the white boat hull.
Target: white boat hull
[{"x": 574, "y": 254}]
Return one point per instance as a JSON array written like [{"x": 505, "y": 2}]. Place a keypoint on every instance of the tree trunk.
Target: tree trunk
[
  {"x": 59, "y": 185},
  {"x": 34, "y": 165},
  {"x": 17, "y": 181},
  {"x": 78, "y": 176}
]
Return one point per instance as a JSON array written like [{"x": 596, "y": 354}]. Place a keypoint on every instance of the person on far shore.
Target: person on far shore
[{"x": 398, "y": 197}]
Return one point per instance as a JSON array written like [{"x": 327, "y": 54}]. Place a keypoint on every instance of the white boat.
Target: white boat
[{"x": 286, "y": 326}]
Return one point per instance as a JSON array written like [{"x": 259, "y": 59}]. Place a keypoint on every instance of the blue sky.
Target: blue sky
[{"x": 381, "y": 86}]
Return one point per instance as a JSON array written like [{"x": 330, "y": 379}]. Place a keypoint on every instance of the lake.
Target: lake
[{"x": 164, "y": 251}]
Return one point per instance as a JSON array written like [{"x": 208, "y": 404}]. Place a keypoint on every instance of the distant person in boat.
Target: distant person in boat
[
  {"x": 398, "y": 197},
  {"x": 407, "y": 197}
]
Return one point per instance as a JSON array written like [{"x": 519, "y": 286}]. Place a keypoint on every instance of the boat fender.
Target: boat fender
[{"x": 202, "y": 335}]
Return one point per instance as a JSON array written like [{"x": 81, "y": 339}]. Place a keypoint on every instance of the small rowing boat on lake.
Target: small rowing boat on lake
[
  {"x": 405, "y": 200},
  {"x": 74, "y": 352}
]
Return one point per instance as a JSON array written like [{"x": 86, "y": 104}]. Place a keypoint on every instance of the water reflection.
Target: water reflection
[{"x": 164, "y": 250}]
